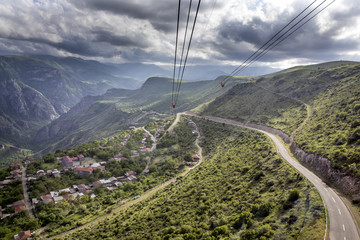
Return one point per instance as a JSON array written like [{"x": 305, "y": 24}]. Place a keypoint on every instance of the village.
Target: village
[{"x": 85, "y": 167}]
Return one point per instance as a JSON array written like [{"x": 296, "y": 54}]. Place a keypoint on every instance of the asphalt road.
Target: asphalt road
[{"x": 342, "y": 225}]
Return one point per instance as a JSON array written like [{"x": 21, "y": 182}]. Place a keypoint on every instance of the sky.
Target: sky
[{"x": 226, "y": 32}]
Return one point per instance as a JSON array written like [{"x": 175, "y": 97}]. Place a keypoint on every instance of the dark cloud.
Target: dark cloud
[{"x": 117, "y": 40}]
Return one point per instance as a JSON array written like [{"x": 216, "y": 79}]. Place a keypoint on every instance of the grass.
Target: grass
[{"x": 236, "y": 184}]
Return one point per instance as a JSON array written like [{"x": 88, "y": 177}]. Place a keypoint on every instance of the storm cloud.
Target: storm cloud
[{"x": 227, "y": 32}]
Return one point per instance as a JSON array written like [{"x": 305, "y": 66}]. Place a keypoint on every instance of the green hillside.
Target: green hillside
[
  {"x": 242, "y": 190},
  {"x": 102, "y": 116},
  {"x": 278, "y": 100}
]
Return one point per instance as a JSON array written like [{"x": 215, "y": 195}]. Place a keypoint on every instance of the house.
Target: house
[
  {"x": 4, "y": 183},
  {"x": 18, "y": 203},
  {"x": 16, "y": 173},
  {"x": 55, "y": 173},
  {"x": 19, "y": 209},
  {"x": 143, "y": 150},
  {"x": 76, "y": 163},
  {"x": 67, "y": 161},
  {"x": 81, "y": 187},
  {"x": 80, "y": 157},
  {"x": 122, "y": 144},
  {"x": 85, "y": 172},
  {"x": 196, "y": 157},
  {"x": 34, "y": 201},
  {"x": 46, "y": 198},
  {"x": 23, "y": 235},
  {"x": 99, "y": 168},
  {"x": 132, "y": 127},
  {"x": 96, "y": 184},
  {"x": 118, "y": 155},
  {"x": 40, "y": 173},
  {"x": 65, "y": 190},
  {"x": 131, "y": 178},
  {"x": 58, "y": 199},
  {"x": 54, "y": 194},
  {"x": 130, "y": 173},
  {"x": 16, "y": 165},
  {"x": 134, "y": 153},
  {"x": 118, "y": 184}
]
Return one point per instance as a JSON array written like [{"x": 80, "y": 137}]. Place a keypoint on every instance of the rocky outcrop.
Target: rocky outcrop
[{"x": 348, "y": 184}]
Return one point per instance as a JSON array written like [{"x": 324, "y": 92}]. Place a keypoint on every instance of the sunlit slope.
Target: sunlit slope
[
  {"x": 278, "y": 100},
  {"x": 242, "y": 190}
]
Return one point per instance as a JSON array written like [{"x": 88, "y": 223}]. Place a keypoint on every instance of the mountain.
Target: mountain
[
  {"x": 324, "y": 96},
  {"x": 36, "y": 90},
  {"x": 117, "y": 109}
]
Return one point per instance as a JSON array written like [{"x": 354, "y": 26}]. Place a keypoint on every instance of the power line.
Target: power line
[
  {"x": 277, "y": 40},
  {"x": 177, "y": 91},
  {"x": 177, "y": 34},
  {"x": 236, "y": 69}
]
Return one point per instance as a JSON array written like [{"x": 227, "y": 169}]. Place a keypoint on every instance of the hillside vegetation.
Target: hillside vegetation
[
  {"x": 278, "y": 100},
  {"x": 242, "y": 190},
  {"x": 102, "y": 116}
]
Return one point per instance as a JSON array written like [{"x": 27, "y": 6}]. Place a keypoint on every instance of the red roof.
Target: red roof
[
  {"x": 81, "y": 186},
  {"x": 80, "y": 156},
  {"x": 90, "y": 170},
  {"x": 96, "y": 183},
  {"x": 18, "y": 203},
  {"x": 24, "y": 235},
  {"x": 19, "y": 209},
  {"x": 67, "y": 158},
  {"x": 196, "y": 156},
  {"x": 47, "y": 196}
]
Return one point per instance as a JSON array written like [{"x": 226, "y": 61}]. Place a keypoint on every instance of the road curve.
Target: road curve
[{"x": 342, "y": 225}]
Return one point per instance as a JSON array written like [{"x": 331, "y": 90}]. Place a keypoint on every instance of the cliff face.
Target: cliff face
[
  {"x": 21, "y": 107},
  {"x": 349, "y": 184}
]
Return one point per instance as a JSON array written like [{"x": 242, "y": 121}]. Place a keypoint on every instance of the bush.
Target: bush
[{"x": 294, "y": 195}]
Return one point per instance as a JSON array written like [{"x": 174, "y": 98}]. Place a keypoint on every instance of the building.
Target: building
[
  {"x": 18, "y": 203},
  {"x": 46, "y": 198},
  {"x": 19, "y": 209},
  {"x": 130, "y": 173},
  {"x": 85, "y": 172},
  {"x": 67, "y": 161},
  {"x": 23, "y": 235},
  {"x": 196, "y": 157}
]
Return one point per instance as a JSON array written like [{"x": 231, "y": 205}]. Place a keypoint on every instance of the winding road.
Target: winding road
[{"x": 342, "y": 225}]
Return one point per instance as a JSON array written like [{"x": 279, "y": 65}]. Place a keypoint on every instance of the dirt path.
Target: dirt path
[
  {"x": 129, "y": 202},
  {"x": 26, "y": 195}
]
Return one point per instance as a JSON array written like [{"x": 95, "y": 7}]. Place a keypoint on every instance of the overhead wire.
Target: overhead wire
[
  {"x": 236, "y": 69},
  {"x": 177, "y": 90},
  {"x": 176, "y": 43},
  {"x": 280, "y": 39},
  {"x": 277, "y": 41}
]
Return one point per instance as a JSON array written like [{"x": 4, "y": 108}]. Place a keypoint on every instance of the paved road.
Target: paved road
[
  {"x": 26, "y": 196},
  {"x": 342, "y": 225}
]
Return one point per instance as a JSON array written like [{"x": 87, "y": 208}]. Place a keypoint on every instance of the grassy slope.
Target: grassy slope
[
  {"x": 334, "y": 130},
  {"x": 250, "y": 103},
  {"x": 241, "y": 190},
  {"x": 332, "y": 91}
]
